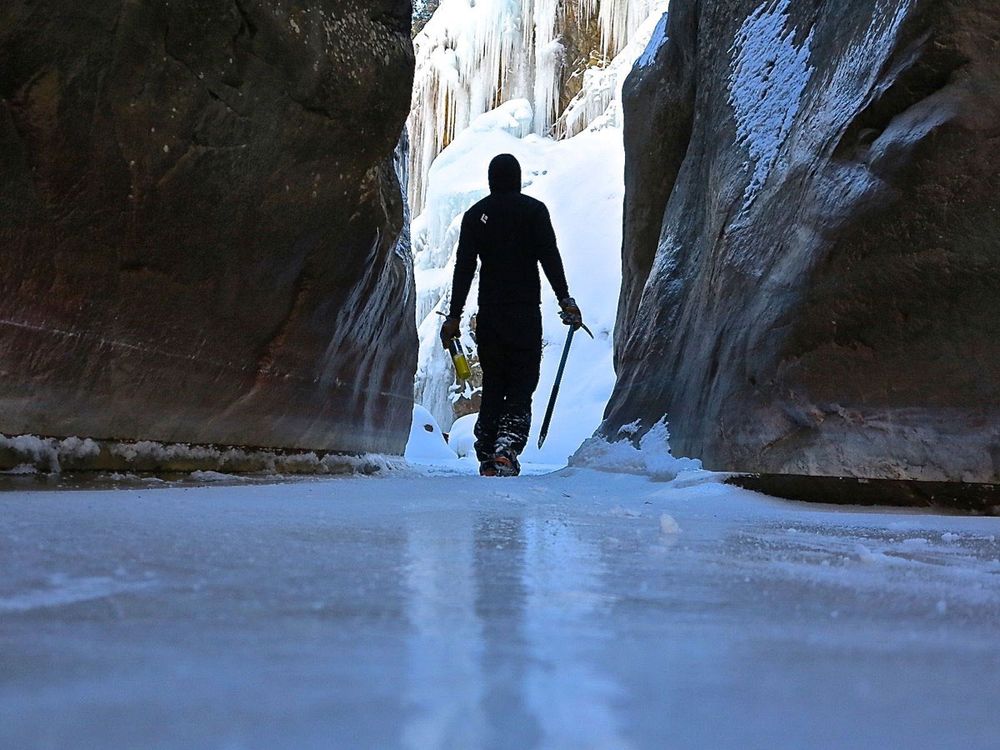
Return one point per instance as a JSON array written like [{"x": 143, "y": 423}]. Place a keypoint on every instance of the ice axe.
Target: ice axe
[{"x": 555, "y": 386}]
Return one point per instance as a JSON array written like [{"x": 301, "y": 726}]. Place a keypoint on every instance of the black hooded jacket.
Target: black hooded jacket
[{"x": 510, "y": 234}]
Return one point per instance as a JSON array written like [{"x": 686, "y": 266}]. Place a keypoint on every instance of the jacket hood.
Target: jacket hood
[{"x": 505, "y": 174}]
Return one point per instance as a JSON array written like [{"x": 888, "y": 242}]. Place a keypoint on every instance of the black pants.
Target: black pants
[{"x": 510, "y": 353}]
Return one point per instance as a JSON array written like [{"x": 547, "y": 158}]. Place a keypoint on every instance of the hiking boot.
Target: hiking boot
[
  {"x": 487, "y": 468},
  {"x": 506, "y": 465}
]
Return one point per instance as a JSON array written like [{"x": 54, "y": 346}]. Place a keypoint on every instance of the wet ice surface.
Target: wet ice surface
[{"x": 567, "y": 611}]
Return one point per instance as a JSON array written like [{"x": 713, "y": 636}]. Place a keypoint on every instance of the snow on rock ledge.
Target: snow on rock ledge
[{"x": 30, "y": 454}]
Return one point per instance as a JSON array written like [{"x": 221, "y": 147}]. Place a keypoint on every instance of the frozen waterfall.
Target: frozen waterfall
[{"x": 474, "y": 55}]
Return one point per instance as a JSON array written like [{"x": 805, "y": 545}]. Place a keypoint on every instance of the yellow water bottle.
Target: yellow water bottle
[{"x": 462, "y": 369}]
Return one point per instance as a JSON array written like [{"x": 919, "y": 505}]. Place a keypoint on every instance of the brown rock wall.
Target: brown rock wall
[{"x": 198, "y": 234}]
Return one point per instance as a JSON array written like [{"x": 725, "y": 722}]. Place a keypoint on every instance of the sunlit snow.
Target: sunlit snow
[{"x": 581, "y": 180}]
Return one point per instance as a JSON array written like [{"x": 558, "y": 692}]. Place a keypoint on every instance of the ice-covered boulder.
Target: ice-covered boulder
[
  {"x": 426, "y": 443},
  {"x": 812, "y": 238},
  {"x": 199, "y": 219},
  {"x": 462, "y": 438}
]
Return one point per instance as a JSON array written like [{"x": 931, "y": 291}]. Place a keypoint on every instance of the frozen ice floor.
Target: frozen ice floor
[{"x": 577, "y": 610}]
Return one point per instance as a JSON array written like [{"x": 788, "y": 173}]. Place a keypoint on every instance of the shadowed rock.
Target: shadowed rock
[
  {"x": 199, "y": 224},
  {"x": 812, "y": 238}
]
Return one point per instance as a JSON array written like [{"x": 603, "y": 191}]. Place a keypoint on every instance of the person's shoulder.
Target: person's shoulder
[
  {"x": 533, "y": 204},
  {"x": 477, "y": 209},
  {"x": 479, "y": 205}
]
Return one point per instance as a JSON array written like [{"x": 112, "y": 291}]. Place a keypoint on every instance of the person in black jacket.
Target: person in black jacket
[{"x": 510, "y": 234}]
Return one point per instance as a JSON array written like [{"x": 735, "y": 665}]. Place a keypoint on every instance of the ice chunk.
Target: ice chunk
[
  {"x": 668, "y": 525},
  {"x": 651, "y": 458}
]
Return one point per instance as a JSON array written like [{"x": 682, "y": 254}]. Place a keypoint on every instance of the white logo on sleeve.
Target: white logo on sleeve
[{"x": 484, "y": 218}]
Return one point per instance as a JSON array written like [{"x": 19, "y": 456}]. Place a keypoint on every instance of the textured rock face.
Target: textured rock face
[
  {"x": 198, "y": 235},
  {"x": 812, "y": 238}
]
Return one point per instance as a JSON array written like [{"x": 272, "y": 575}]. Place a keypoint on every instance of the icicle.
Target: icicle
[
  {"x": 473, "y": 56},
  {"x": 618, "y": 20},
  {"x": 548, "y": 56},
  {"x": 598, "y": 104}
]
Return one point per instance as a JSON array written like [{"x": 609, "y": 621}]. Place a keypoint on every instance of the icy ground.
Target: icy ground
[{"x": 573, "y": 610}]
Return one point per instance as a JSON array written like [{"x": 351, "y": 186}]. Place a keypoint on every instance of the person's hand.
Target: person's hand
[
  {"x": 570, "y": 313},
  {"x": 450, "y": 330}
]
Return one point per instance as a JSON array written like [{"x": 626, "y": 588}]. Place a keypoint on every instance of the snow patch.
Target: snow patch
[
  {"x": 631, "y": 428},
  {"x": 768, "y": 76},
  {"x": 656, "y": 40},
  {"x": 620, "y": 512},
  {"x": 870, "y": 557},
  {"x": 462, "y": 438},
  {"x": 21, "y": 470}
]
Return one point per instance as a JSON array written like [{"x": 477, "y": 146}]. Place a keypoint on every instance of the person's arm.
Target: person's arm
[
  {"x": 465, "y": 269},
  {"x": 548, "y": 255}
]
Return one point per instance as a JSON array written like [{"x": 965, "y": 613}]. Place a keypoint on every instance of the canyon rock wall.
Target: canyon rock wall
[
  {"x": 200, "y": 222},
  {"x": 812, "y": 238}
]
